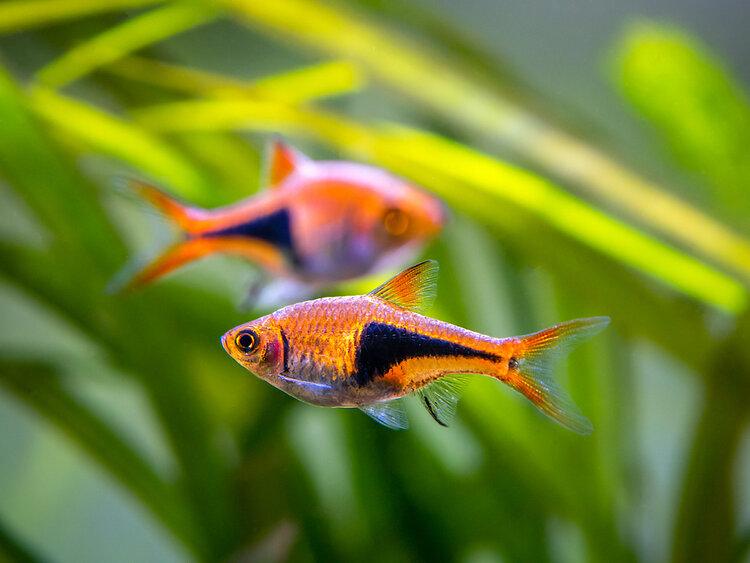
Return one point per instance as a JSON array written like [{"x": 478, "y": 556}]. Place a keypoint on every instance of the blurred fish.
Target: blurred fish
[
  {"x": 369, "y": 351},
  {"x": 319, "y": 223}
]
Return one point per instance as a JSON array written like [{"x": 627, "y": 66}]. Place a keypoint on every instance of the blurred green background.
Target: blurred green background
[{"x": 596, "y": 158}]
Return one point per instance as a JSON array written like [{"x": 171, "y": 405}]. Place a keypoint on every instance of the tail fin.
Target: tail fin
[
  {"x": 531, "y": 371},
  {"x": 182, "y": 215},
  {"x": 141, "y": 271}
]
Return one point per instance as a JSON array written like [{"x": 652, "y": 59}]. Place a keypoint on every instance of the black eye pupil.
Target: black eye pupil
[{"x": 246, "y": 341}]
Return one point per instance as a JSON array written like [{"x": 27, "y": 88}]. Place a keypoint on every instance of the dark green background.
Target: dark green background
[{"x": 126, "y": 434}]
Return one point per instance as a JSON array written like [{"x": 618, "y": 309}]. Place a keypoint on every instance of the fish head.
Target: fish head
[
  {"x": 409, "y": 215},
  {"x": 393, "y": 214},
  {"x": 352, "y": 219},
  {"x": 391, "y": 224},
  {"x": 258, "y": 346},
  {"x": 384, "y": 204}
]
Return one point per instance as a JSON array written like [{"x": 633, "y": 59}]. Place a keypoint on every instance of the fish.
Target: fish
[
  {"x": 371, "y": 351},
  {"x": 319, "y": 223}
]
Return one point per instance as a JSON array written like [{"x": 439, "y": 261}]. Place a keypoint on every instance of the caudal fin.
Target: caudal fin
[
  {"x": 531, "y": 371},
  {"x": 184, "y": 216},
  {"x": 140, "y": 271}
]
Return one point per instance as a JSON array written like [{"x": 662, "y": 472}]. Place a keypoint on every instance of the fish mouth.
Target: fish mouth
[{"x": 223, "y": 340}]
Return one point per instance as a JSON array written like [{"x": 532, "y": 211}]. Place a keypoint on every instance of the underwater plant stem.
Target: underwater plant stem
[
  {"x": 705, "y": 525},
  {"x": 13, "y": 549}
]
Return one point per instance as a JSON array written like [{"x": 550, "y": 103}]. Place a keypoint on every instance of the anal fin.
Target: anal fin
[
  {"x": 389, "y": 413},
  {"x": 441, "y": 397}
]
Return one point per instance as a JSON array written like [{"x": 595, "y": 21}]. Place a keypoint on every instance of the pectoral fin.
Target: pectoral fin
[{"x": 309, "y": 385}]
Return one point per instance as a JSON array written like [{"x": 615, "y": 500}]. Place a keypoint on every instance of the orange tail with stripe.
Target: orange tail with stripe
[
  {"x": 198, "y": 241},
  {"x": 531, "y": 371},
  {"x": 139, "y": 272}
]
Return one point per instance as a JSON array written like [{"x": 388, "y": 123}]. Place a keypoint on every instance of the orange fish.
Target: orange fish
[
  {"x": 319, "y": 223},
  {"x": 371, "y": 350}
]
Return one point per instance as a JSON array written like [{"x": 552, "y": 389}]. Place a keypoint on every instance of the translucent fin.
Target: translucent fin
[
  {"x": 309, "y": 385},
  {"x": 413, "y": 289},
  {"x": 390, "y": 414},
  {"x": 441, "y": 397},
  {"x": 283, "y": 161},
  {"x": 277, "y": 293},
  {"x": 255, "y": 289},
  {"x": 533, "y": 369}
]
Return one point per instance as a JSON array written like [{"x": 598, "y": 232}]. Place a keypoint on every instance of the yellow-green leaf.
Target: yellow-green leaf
[
  {"x": 122, "y": 39},
  {"x": 111, "y": 135},
  {"x": 693, "y": 103},
  {"x": 435, "y": 83},
  {"x": 326, "y": 79},
  {"x": 17, "y": 15}
]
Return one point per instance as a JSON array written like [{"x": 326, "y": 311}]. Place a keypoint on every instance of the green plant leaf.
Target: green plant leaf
[
  {"x": 118, "y": 41},
  {"x": 705, "y": 523},
  {"x": 22, "y": 150},
  {"x": 12, "y": 550},
  {"x": 40, "y": 387},
  {"x": 234, "y": 161},
  {"x": 69, "y": 278},
  {"x": 434, "y": 83},
  {"x": 742, "y": 547},
  {"x": 16, "y": 15},
  {"x": 110, "y": 135},
  {"x": 693, "y": 103},
  {"x": 305, "y": 84},
  {"x": 573, "y": 217}
]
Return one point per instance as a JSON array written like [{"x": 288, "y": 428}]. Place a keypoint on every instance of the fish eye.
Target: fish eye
[
  {"x": 247, "y": 341},
  {"x": 396, "y": 222}
]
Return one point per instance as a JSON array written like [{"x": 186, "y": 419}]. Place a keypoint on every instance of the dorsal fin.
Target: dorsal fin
[
  {"x": 413, "y": 289},
  {"x": 284, "y": 160}
]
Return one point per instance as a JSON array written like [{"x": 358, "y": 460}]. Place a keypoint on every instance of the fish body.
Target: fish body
[
  {"x": 359, "y": 350},
  {"x": 369, "y": 351},
  {"x": 319, "y": 223}
]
